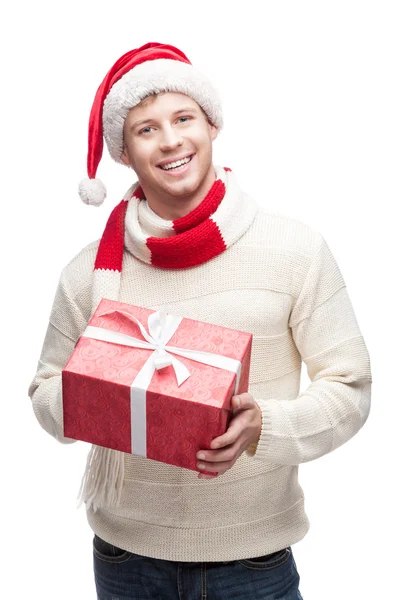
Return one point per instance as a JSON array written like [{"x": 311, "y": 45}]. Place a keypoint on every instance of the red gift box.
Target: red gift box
[{"x": 125, "y": 398}]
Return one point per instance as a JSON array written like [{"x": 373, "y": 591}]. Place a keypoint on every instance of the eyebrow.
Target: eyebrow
[{"x": 177, "y": 112}]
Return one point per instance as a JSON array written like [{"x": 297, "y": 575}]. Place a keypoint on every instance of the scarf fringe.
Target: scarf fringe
[{"x": 102, "y": 481}]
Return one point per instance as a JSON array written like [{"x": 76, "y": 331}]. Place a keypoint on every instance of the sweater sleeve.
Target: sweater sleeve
[
  {"x": 336, "y": 404},
  {"x": 65, "y": 326}
]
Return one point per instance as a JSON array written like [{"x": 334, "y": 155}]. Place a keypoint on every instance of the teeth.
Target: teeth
[{"x": 178, "y": 163}]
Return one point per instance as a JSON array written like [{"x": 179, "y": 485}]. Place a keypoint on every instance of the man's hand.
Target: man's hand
[{"x": 244, "y": 429}]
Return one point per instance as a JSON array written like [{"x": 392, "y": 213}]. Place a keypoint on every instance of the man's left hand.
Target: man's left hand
[{"x": 244, "y": 429}]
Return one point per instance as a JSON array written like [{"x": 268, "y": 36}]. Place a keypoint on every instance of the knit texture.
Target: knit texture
[{"x": 280, "y": 282}]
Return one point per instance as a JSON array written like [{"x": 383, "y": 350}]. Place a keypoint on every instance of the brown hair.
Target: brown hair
[{"x": 151, "y": 97}]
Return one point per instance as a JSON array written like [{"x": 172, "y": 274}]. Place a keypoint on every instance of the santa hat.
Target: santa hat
[{"x": 151, "y": 69}]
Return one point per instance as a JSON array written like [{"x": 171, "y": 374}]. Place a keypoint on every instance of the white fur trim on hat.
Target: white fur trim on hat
[
  {"x": 92, "y": 191},
  {"x": 152, "y": 77}
]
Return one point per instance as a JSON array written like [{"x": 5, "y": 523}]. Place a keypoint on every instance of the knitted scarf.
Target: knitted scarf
[{"x": 214, "y": 225}]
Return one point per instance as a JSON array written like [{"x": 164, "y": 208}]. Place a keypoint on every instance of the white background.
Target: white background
[{"x": 310, "y": 94}]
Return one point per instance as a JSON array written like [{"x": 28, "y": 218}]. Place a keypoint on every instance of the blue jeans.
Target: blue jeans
[{"x": 121, "y": 575}]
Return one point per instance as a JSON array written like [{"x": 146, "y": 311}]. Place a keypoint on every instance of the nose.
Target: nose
[{"x": 170, "y": 139}]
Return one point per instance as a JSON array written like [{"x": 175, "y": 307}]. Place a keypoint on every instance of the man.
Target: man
[{"x": 187, "y": 238}]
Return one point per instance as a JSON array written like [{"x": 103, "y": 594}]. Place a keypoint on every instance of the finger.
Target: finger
[
  {"x": 216, "y": 456},
  {"x": 216, "y": 467},
  {"x": 237, "y": 424}
]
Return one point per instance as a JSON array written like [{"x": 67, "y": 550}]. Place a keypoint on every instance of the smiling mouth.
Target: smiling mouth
[{"x": 174, "y": 166}]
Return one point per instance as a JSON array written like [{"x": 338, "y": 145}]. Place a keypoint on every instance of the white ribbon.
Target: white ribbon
[{"x": 161, "y": 326}]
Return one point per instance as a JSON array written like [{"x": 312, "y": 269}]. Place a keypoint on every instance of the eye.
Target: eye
[
  {"x": 184, "y": 119},
  {"x": 145, "y": 130}
]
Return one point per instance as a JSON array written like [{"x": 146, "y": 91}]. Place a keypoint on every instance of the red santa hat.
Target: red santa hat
[{"x": 151, "y": 69}]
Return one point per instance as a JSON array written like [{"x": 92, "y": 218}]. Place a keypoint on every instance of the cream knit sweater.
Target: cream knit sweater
[{"x": 280, "y": 282}]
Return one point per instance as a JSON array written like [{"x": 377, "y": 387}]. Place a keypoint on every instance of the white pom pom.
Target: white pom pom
[{"x": 92, "y": 191}]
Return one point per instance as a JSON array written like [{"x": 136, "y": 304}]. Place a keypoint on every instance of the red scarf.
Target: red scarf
[{"x": 197, "y": 237}]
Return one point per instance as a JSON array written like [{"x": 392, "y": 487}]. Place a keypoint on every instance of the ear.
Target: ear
[
  {"x": 214, "y": 131},
  {"x": 125, "y": 158}
]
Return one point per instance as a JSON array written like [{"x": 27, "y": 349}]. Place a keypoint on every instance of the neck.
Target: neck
[{"x": 170, "y": 207}]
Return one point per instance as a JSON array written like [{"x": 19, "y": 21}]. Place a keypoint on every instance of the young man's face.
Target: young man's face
[{"x": 167, "y": 128}]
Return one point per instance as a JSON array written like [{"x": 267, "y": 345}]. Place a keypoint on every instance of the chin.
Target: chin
[{"x": 184, "y": 187}]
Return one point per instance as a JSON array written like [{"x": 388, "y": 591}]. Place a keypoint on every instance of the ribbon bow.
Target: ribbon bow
[{"x": 162, "y": 326}]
